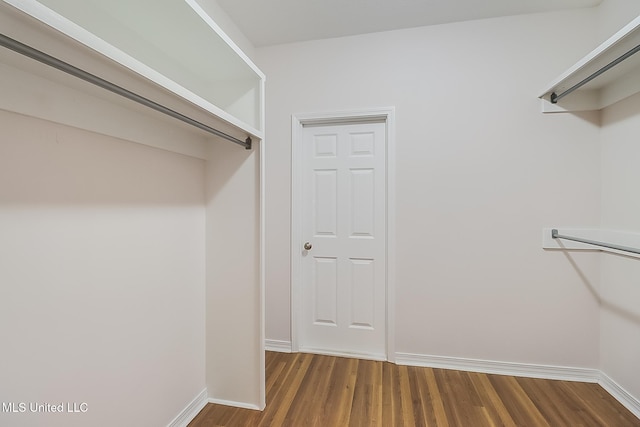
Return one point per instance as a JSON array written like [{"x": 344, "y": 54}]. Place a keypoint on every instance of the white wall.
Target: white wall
[
  {"x": 101, "y": 276},
  {"x": 619, "y": 291},
  {"x": 615, "y": 14},
  {"x": 235, "y": 356},
  {"x": 36, "y": 90},
  {"x": 234, "y": 324},
  {"x": 480, "y": 171}
]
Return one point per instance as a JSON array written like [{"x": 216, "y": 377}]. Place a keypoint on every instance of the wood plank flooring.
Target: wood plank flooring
[{"x": 311, "y": 390}]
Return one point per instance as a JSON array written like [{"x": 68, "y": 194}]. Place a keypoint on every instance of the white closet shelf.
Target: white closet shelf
[
  {"x": 170, "y": 52},
  {"x": 609, "y": 87}
]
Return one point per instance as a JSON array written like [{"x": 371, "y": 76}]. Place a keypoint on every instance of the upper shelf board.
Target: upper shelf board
[{"x": 619, "y": 82}]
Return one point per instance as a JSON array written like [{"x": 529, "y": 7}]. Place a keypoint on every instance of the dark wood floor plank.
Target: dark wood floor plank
[
  {"x": 365, "y": 408},
  {"x": 596, "y": 404},
  {"x": 520, "y": 407},
  {"x": 305, "y": 390},
  {"x": 494, "y": 407},
  {"x": 313, "y": 387},
  {"x": 337, "y": 403},
  {"x": 406, "y": 401},
  {"x": 439, "y": 414},
  {"x": 391, "y": 407},
  {"x": 461, "y": 405},
  {"x": 345, "y": 398},
  {"x": 273, "y": 370},
  {"x": 557, "y": 407},
  {"x": 292, "y": 378},
  {"x": 423, "y": 398}
]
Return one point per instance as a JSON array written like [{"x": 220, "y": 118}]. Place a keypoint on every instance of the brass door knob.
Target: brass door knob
[{"x": 307, "y": 246}]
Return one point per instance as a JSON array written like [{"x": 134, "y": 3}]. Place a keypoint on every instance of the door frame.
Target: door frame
[{"x": 298, "y": 121}]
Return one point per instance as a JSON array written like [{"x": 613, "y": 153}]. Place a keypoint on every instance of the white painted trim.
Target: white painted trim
[
  {"x": 345, "y": 116},
  {"x": 278, "y": 346},
  {"x": 391, "y": 234},
  {"x": 500, "y": 368},
  {"x": 296, "y": 227},
  {"x": 189, "y": 413},
  {"x": 620, "y": 394},
  {"x": 298, "y": 121},
  {"x": 218, "y": 30},
  {"x": 235, "y": 404},
  {"x": 263, "y": 274}
]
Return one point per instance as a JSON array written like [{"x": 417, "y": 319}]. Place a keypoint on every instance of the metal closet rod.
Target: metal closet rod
[
  {"x": 555, "y": 235},
  {"x": 49, "y": 60},
  {"x": 556, "y": 97}
]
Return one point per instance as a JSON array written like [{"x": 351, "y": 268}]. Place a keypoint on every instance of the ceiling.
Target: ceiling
[{"x": 269, "y": 22}]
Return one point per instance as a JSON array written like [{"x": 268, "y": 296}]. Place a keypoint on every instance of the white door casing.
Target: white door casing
[{"x": 341, "y": 296}]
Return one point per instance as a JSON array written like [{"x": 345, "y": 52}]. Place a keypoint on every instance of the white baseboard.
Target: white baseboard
[
  {"x": 501, "y": 368},
  {"x": 277, "y": 345},
  {"x": 242, "y": 405},
  {"x": 190, "y": 412},
  {"x": 620, "y": 394}
]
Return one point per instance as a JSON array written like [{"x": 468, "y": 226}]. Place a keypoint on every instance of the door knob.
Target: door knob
[{"x": 307, "y": 246}]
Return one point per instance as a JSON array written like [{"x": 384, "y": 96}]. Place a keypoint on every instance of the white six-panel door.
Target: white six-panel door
[{"x": 343, "y": 304}]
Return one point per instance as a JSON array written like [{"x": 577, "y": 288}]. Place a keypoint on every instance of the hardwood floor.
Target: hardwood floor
[{"x": 324, "y": 391}]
